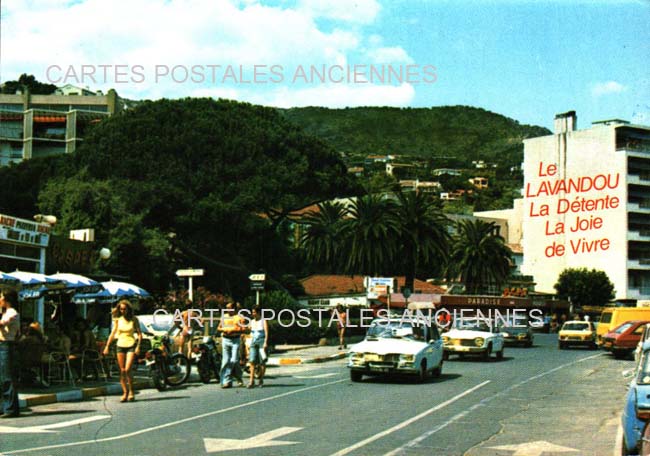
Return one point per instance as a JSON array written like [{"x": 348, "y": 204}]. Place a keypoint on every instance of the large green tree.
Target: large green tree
[
  {"x": 370, "y": 234},
  {"x": 585, "y": 287},
  {"x": 424, "y": 238},
  {"x": 194, "y": 182},
  {"x": 322, "y": 236},
  {"x": 479, "y": 256}
]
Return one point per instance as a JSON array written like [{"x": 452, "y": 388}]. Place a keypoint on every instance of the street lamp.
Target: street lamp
[
  {"x": 49, "y": 219},
  {"x": 104, "y": 253}
]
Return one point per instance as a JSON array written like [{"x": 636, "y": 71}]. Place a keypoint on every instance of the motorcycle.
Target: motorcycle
[
  {"x": 166, "y": 368},
  {"x": 208, "y": 359}
]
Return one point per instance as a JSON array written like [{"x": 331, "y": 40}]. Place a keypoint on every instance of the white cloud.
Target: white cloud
[
  {"x": 152, "y": 33},
  {"x": 393, "y": 54},
  {"x": 605, "y": 88},
  {"x": 355, "y": 11},
  {"x": 337, "y": 96}
]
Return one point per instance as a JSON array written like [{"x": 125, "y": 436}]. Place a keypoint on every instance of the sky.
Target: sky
[{"x": 526, "y": 59}]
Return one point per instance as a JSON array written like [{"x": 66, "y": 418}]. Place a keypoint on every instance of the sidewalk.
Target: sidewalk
[{"x": 285, "y": 355}]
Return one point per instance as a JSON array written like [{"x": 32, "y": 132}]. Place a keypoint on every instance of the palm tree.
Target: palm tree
[
  {"x": 423, "y": 233},
  {"x": 371, "y": 232},
  {"x": 321, "y": 239},
  {"x": 479, "y": 256}
]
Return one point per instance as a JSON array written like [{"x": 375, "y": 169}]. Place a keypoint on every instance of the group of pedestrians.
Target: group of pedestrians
[{"x": 233, "y": 327}]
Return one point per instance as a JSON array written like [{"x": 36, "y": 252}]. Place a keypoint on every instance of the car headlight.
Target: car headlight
[
  {"x": 356, "y": 355},
  {"x": 479, "y": 341},
  {"x": 445, "y": 340},
  {"x": 407, "y": 358}
]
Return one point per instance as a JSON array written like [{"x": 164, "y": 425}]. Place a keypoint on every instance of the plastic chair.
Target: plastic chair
[
  {"x": 93, "y": 359},
  {"x": 58, "y": 368}
]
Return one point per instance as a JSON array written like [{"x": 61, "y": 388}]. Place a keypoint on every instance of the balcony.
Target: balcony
[
  {"x": 642, "y": 207},
  {"x": 638, "y": 179},
  {"x": 639, "y": 264},
  {"x": 642, "y": 235},
  {"x": 638, "y": 293}
]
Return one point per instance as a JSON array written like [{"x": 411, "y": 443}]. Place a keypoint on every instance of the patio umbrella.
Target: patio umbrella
[
  {"x": 77, "y": 283},
  {"x": 35, "y": 285},
  {"x": 7, "y": 279},
  {"x": 113, "y": 291},
  {"x": 33, "y": 279},
  {"x": 123, "y": 289}
]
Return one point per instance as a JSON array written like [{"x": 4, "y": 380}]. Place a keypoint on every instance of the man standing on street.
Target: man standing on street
[
  {"x": 9, "y": 326},
  {"x": 231, "y": 327}
]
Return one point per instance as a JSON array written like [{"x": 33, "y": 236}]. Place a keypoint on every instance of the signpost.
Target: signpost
[
  {"x": 190, "y": 274},
  {"x": 257, "y": 284}
]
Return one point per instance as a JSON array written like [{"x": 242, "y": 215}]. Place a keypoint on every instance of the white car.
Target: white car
[
  {"x": 396, "y": 346},
  {"x": 474, "y": 336}
]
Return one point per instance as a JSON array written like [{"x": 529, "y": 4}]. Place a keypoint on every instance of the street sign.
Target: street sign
[
  {"x": 378, "y": 286},
  {"x": 189, "y": 272},
  {"x": 257, "y": 285},
  {"x": 257, "y": 277}
]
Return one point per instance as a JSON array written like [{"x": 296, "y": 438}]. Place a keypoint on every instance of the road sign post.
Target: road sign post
[
  {"x": 257, "y": 284},
  {"x": 190, "y": 274}
]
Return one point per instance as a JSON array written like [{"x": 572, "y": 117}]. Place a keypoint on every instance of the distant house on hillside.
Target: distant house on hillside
[
  {"x": 449, "y": 171},
  {"x": 420, "y": 186},
  {"x": 330, "y": 290},
  {"x": 479, "y": 182}
]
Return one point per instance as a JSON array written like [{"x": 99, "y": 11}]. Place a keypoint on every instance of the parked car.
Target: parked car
[
  {"x": 474, "y": 336},
  {"x": 396, "y": 346},
  {"x": 622, "y": 340},
  {"x": 577, "y": 332},
  {"x": 615, "y": 316},
  {"x": 636, "y": 412},
  {"x": 645, "y": 336},
  {"x": 518, "y": 334}
]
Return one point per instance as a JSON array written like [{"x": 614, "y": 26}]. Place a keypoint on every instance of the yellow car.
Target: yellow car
[{"x": 577, "y": 333}]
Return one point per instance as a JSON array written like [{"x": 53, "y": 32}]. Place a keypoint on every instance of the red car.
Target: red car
[{"x": 623, "y": 339}]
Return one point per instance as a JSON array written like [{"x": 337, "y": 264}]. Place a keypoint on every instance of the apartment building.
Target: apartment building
[
  {"x": 33, "y": 126},
  {"x": 587, "y": 204}
]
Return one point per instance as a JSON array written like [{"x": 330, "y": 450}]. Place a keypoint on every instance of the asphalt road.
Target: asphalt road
[{"x": 317, "y": 410}]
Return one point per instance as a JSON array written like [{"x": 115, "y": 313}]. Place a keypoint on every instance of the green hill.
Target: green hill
[{"x": 462, "y": 132}]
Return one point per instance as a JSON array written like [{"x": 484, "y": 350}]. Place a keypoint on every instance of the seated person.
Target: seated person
[{"x": 31, "y": 347}]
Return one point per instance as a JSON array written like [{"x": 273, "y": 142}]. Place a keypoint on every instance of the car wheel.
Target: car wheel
[
  {"x": 500, "y": 354},
  {"x": 560, "y": 345},
  {"x": 624, "y": 451},
  {"x": 356, "y": 376},
  {"x": 445, "y": 356},
  {"x": 423, "y": 374},
  {"x": 487, "y": 353},
  {"x": 619, "y": 354},
  {"x": 529, "y": 343},
  {"x": 437, "y": 372}
]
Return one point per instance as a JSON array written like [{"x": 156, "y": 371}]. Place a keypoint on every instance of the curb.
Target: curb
[
  {"x": 295, "y": 361},
  {"x": 79, "y": 394}
]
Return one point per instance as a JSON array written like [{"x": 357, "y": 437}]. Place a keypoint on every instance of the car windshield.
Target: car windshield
[
  {"x": 575, "y": 327},
  {"x": 643, "y": 377},
  {"x": 396, "y": 329},
  {"x": 162, "y": 323},
  {"x": 624, "y": 327},
  {"x": 472, "y": 325}
]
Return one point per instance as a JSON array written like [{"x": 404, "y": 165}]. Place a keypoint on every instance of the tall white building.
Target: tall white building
[{"x": 587, "y": 204}]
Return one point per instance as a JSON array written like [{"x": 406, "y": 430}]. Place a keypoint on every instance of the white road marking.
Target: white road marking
[
  {"x": 47, "y": 428},
  {"x": 482, "y": 403},
  {"x": 618, "y": 443},
  {"x": 177, "y": 422},
  {"x": 535, "y": 448},
  {"x": 331, "y": 374},
  {"x": 261, "y": 440},
  {"x": 406, "y": 423}
]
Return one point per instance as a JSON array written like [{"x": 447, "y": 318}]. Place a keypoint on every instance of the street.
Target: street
[{"x": 569, "y": 399}]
